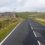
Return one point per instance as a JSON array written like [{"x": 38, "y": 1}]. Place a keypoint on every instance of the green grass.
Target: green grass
[
  {"x": 6, "y": 30},
  {"x": 32, "y": 15},
  {"x": 27, "y": 15},
  {"x": 24, "y": 15},
  {"x": 40, "y": 22}
]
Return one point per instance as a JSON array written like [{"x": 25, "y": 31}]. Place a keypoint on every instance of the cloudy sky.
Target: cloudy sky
[{"x": 22, "y": 5}]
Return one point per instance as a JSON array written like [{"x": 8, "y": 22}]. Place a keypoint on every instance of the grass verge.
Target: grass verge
[
  {"x": 40, "y": 21},
  {"x": 4, "y": 32}
]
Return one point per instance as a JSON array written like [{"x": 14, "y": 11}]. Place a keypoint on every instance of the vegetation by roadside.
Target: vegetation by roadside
[
  {"x": 33, "y": 16},
  {"x": 8, "y": 27},
  {"x": 40, "y": 21}
]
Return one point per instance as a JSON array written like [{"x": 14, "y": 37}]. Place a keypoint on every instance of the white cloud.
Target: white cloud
[
  {"x": 32, "y": 5},
  {"x": 22, "y": 5}
]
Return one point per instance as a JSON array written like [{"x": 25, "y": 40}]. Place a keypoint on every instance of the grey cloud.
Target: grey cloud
[{"x": 22, "y": 5}]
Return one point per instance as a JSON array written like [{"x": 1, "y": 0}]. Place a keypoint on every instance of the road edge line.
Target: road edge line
[{"x": 9, "y": 34}]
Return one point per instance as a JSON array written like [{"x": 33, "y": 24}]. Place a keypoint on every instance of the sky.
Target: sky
[{"x": 22, "y": 5}]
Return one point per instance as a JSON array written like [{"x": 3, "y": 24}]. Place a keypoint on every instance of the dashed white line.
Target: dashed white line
[
  {"x": 31, "y": 27},
  {"x": 35, "y": 35},
  {"x": 39, "y": 42}
]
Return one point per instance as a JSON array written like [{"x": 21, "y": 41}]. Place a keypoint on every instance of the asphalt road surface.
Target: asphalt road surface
[
  {"x": 25, "y": 35},
  {"x": 39, "y": 31}
]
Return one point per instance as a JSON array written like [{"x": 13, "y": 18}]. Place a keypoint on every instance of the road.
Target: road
[
  {"x": 39, "y": 32},
  {"x": 23, "y": 35},
  {"x": 28, "y": 33}
]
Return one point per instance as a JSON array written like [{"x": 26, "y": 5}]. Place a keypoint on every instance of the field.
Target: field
[{"x": 38, "y": 17}]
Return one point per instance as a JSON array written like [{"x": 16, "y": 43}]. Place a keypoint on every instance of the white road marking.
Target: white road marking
[
  {"x": 39, "y": 42},
  {"x": 0, "y": 43},
  {"x": 33, "y": 31},
  {"x": 31, "y": 27},
  {"x": 35, "y": 35},
  {"x": 9, "y": 34}
]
